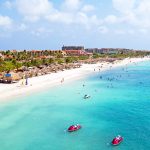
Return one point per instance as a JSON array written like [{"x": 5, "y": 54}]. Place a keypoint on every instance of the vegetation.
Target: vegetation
[
  {"x": 130, "y": 54},
  {"x": 10, "y": 60}
]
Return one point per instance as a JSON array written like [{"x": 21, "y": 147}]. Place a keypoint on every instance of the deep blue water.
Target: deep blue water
[{"x": 120, "y": 106}]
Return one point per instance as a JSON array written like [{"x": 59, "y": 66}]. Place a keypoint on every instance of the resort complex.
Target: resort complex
[{"x": 29, "y": 63}]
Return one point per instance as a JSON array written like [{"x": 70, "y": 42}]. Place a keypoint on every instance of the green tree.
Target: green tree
[
  {"x": 60, "y": 61},
  {"x": 68, "y": 60},
  {"x": 51, "y": 60}
]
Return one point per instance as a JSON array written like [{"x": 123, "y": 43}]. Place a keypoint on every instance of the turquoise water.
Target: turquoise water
[{"x": 120, "y": 106}]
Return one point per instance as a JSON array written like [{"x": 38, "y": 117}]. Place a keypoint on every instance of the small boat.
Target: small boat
[
  {"x": 74, "y": 128},
  {"x": 86, "y": 96},
  {"x": 117, "y": 140}
]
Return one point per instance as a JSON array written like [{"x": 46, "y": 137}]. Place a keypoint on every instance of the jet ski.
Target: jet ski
[
  {"x": 74, "y": 128},
  {"x": 117, "y": 140}
]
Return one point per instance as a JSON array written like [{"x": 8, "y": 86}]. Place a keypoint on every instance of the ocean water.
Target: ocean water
[{"x": 119, "y": 104}]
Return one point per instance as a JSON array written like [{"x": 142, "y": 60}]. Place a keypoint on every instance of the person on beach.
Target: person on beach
[
  {"x": 62, "y": 80},
  {"x": 26, "y": 81},
  {"x": 22, "y": 82}
]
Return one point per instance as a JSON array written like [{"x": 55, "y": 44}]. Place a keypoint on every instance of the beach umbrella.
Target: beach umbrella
[
  {"x": 8, "y": 77},
  {"x": 15, "y": 76}
]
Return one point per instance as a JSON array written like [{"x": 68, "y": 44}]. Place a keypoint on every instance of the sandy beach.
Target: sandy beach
[{"x": 7, "y": 91}]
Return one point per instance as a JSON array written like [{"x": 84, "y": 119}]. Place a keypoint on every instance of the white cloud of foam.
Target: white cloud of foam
[
  {"x": 124, "y": 6},
  {"x": 33, "y": 9},
  {"x": 88, "y": 8},
  {"x": 70, "y": 12},
  {"x": 71, "y": 5},
  {"x": 22, "y": 27},
  {"x": 41, "y": 32},
  {"x": 111, "y": 19},
  {"x": 132, "y": 13},
  {"x": 103, "y": 29},
  {"x": 5, "y": 21},
  {"x": 8, "y": 4}
]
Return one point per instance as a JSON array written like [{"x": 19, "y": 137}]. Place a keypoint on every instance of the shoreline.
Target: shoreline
[{"x": 11, "y": 91}]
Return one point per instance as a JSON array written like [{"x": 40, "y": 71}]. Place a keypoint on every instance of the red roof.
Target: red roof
[{"x": 77, "y": 52}]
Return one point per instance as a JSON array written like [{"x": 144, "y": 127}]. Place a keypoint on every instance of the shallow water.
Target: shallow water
[{"x": 121, "y": 106}]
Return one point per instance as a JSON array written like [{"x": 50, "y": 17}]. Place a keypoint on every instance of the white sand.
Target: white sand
[{"x": 7, "y": 91}]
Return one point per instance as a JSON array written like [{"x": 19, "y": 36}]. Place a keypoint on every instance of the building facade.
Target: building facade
[
  {"x": 73, "y": 48},
  {"x": 107, "y": 50}
]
